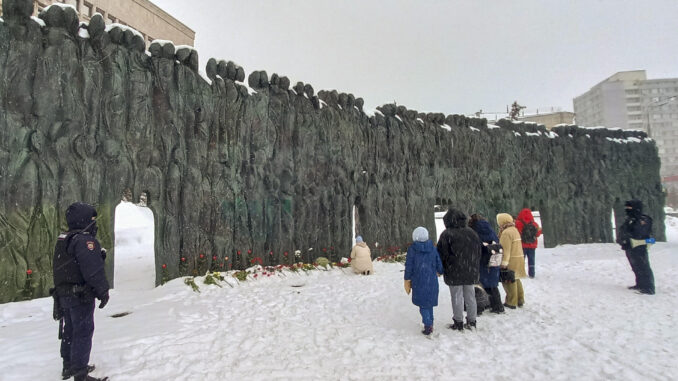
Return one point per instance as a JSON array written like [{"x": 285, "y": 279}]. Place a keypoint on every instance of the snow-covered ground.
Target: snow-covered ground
[{"x": 579, "y": 323}]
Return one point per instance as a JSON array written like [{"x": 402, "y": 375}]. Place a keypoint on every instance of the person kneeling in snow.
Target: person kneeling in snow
[
  {"x": 361, "y": 257},
  {"x": 422, "y": 268}
]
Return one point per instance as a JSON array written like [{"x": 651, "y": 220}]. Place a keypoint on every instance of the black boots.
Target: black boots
[
  {"x": 66, "y": 371},
  {"x": 457, "y": 325},
  {"x": 427, "y": 330},
  {"x": 470, "y": 325},
  {"x": 87, "y": 377}
]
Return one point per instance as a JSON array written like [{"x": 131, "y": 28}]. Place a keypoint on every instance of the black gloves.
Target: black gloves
[
  {"x": 103, "y": 253},
  {"x": 104, "y": 300}
]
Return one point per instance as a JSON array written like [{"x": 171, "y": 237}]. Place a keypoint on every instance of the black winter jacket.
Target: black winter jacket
[
  {"x": 84, "y": 264},
  {"x": 459, "y": 248}
]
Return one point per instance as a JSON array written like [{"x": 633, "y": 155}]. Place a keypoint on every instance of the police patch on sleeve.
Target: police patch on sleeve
[{"x": 90, "y": 245}]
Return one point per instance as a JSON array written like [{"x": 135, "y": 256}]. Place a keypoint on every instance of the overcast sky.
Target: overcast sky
[{"x": 448, "y": 56}]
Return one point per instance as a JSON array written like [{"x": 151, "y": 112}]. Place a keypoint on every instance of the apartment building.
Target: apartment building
[
  {"x": 549, "y": 119},
  {"x": 142, "y": 15},
  {"x": 629, "y": 100}
]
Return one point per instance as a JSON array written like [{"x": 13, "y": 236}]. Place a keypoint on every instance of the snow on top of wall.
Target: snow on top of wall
[
  {"x": 474, "y": 129},
  {"x": 445, "y": 126},
  {"x": 564, "y": 125},
  {"x": 588, "y": 136},
  {"x": 321, "y": 102},
  {"x": 552, "y": 135},
  {"x": 538, "y": 133},
  {"x": 82, "y": 32},
  {"x": 631, "y": 139},
  {"x": 162, "y": 42},
  {"x": 398, "y": 117},
  {"x": 60, "y": 5},
  {"x": 516, "y": 133},
  {"x": 109, "y": 27},
  {"x": 491, "y": 126},
  {"x": 39, "y": 21},
  {"x": 189, "y": 47},
  {"x": 420, "y": 120}
]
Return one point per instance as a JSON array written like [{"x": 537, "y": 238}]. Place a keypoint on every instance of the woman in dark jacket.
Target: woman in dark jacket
[
  {"x": 459, "y": 248},
  {"x": 489, "y": 270},
  {"x": 422, "y": 268}
]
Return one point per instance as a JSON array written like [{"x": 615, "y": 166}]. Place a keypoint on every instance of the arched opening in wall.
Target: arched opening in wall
[
  {"x": 613, "y": 222},
  {"x": 438, "y": 214},
  {"x": 134, "y": 252},
  {"x": 537, "y": 219},
  {"x": 356, "y": 212}
]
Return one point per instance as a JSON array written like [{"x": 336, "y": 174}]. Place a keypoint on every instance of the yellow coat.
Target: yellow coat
[
  {"x": 361, "y": 258},
  {"x": 512, "y": 245}
]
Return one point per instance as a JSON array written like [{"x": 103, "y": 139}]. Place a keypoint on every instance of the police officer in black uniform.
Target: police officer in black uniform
[
  {"x": 633, "y": 237},
  {"x": 79, "y": 278}
]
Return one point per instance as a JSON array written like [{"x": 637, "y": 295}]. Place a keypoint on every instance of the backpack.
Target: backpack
[{"x": 529, "y": 234}]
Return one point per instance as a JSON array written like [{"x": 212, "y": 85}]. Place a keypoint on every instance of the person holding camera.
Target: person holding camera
[
  {"x": 513, "y": 259},
  {"x": 79, "y": 279},
  {"x": 635, "y": 235}
]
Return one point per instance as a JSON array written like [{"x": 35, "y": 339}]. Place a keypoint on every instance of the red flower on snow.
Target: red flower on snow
[
  {"x": 256, "y": 275},
  {"x": 349, "y": 260}
]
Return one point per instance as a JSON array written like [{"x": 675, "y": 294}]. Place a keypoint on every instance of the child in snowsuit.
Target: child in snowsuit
[{"x": 422, "y": 268}]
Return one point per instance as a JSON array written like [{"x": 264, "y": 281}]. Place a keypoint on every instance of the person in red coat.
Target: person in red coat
[{"x": 528, "y": 236}]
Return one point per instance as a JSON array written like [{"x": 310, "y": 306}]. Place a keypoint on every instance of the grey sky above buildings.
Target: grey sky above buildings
[{"x": 446, "y": 56}]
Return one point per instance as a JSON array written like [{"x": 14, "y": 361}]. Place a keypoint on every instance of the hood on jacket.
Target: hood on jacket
[
  {"x": 485, "y": 231},
  {"x": 634, "y": 207},
  {"x": 358, "y": 239},
  {"x": 503, "y": 219},
  {"x": 420, "y": 234},
  {"x": 525, "y": 215},
  {"x": 454, "y": 219},
  {"x": 79, "y": 215},
  {"x": 423, "y": 246}
]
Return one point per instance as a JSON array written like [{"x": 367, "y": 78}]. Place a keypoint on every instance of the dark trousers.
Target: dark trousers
[
  {"x": 529, "y": 253},
  {"x": 495, "y": 299},
  {"x": 640, "y": 264},
  {"x": 76, "y": 339}
]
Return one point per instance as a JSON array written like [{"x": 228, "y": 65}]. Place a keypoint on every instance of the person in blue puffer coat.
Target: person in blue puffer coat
[
  {"x": 422, "y": 268},
  {"x": 490, "y": 259}
]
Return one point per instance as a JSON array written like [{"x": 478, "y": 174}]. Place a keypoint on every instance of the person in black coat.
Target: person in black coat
[
  {"x": 79, "y": 278},
  {"x": 633, "y": 236},
  {"x": 459, "y": 248}
]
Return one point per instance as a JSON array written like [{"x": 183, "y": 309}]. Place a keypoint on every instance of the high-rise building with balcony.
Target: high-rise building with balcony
[{"x": 629, "y": 100}]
